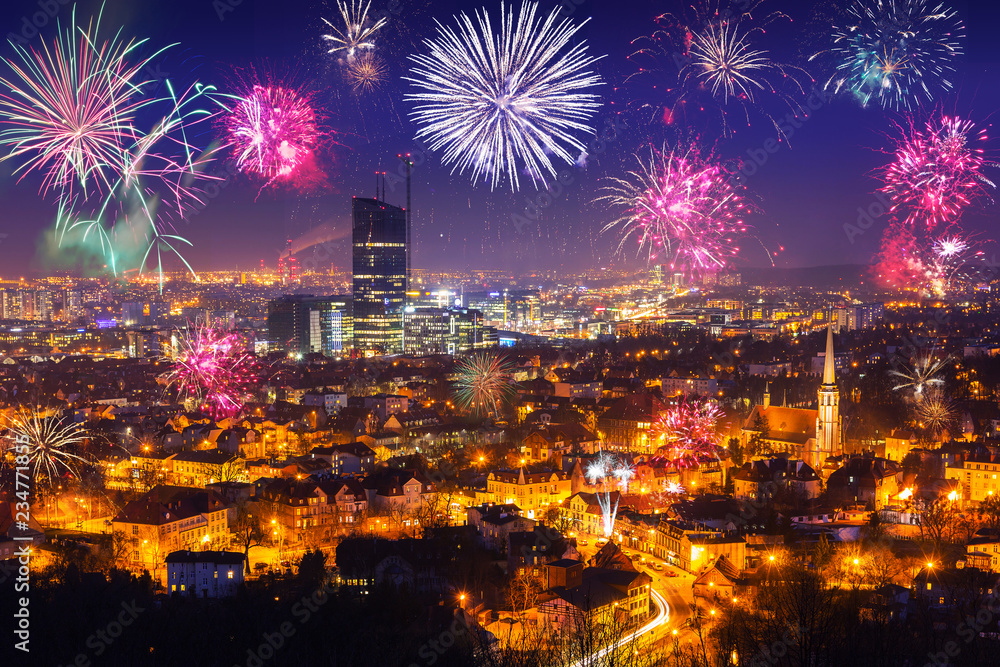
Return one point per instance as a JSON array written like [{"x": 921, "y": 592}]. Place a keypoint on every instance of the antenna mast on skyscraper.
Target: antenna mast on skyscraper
[{"x": 408, "y": 161}]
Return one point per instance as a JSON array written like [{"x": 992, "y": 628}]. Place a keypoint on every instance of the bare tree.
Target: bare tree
[
  {"x": 119, "y": 546},
  {"x": 938, "y": 521},
  {"x": 248, "y": 529},
  {"x": 989, "y": 512},
  {"x": 232, "y": 470}
]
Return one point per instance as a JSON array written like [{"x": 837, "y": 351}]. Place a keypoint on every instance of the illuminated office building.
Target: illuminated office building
[{"x": 379, "y": 235}]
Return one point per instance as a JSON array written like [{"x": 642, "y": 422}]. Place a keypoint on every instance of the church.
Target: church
[{"x": 809, "y": 435}]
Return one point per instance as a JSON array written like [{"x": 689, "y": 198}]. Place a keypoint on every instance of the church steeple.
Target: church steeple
[
  {"x": 829, "y": 377},
  {"x": 828, "y": 415}
]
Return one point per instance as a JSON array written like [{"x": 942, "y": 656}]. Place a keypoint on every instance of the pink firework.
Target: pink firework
[
  {"x": 274, "y": 133},
  {"x": 681, "y": 207},
  {"x": 687, "y": 433},
  {"x": 912, "y": 260},
  {"x": 937, "y": 172},
  {"x": 211, "y": 371}
]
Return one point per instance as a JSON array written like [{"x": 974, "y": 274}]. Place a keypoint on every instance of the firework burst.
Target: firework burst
[
  {"x": 44, "y": 444},
  {"x": 681, "y": 207},
  {"x": 483, "y": 383},
  {"x": 935, "y": 413},
  {"x": 72, "y": 114},
  {"x": 704, "y": 60},
  {"x": 497, "y": 104},
  {"x": 921, "y": 376},
  {"x": 937, "y": 172},
  {"x": 911, "y": 260},
  {"x": 356, "y": 33},
  {"x": 211, "y": 371},
  {"x": 896, "y": 53},
  {"x": 609, "y": 473},
  {"x": 687, "y": 433},
  {"x": 366, "y": 73},
  {"x": 274, "y": 132}
]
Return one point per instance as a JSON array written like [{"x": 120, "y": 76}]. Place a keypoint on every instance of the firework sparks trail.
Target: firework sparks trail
[
  {"x": 896, "y": 53},
  {"x": 366, "y": 73},
  {"x": 687, "y": 433},
  {"x": 49, "y": 442},
  {"x": 937, "y": 172},
  {"x": 211, "y": 370},
  {"x": 483, "y": 384},
  {"x": 498, "y": 103},
  {"x": 704, "y": 60},
  {"x": 935, "y": 413},
  {"x": 921, "y": 375},
  {"x": 931, "y": 266},
  {"x": 71, "y": 113},
  {"x": 609, "y": 473},
  {"x": 356, "y": 34},
  {"x": 682, "y": 207}
]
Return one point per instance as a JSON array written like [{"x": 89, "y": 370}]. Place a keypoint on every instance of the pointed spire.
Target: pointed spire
[{"x": 828, "y": 365}]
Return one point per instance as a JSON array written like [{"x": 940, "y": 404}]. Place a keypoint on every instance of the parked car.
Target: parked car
[{"x": 583, "y": 543}]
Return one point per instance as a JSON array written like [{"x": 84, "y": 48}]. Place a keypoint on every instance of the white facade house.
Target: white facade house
[{"x": 206, "y": 574}]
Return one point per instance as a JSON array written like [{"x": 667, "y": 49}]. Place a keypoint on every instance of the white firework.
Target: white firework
[
  {"x": 496, "y": 103},
  {"x": 722, "y": 58},
  {"x": 357, "y": 31},
  {"x": 950, "y": 246},
  {"x": 673, "y": 488},
  {"x": 42, "y": 445},
  {"x": 602, "y": 471},
  {"x": 922, "y": 375}
]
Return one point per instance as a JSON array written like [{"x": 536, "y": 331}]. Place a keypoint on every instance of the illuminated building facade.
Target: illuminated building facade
[
  {"x": 445, "y": 331},
  {"x": 302, "y": 324},
  {"x": 379, "y": 254}
]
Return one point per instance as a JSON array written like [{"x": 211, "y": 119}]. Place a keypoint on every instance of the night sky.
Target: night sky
[{"x": 807, "y": 191}]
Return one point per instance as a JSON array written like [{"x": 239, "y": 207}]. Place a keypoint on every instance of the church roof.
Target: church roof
[{"x": 795, "y": 425}]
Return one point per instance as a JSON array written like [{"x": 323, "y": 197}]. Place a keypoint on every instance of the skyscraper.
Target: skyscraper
[{"x": 379, "y": 235}]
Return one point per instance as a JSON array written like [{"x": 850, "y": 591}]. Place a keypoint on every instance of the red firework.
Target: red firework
[
  {"x": 911, "y": 259},
  {"x": 937, "y": 172},
  {"x": 274, "y": 131},
  {"x": 688, "y": 433}
]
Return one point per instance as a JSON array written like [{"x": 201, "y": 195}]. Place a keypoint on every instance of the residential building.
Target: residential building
[
  {"x": 759, "y": 480},
  {"x": 865, "y": 480},
  {"x": 625, "y": 426},
  {"x": 206, "y": 466},
  {"x": 206, "y": 574},
  {"x": 173, "y": 518},
  {"x": 407, "y": 489},
  {"x": 534, "y": 492}
]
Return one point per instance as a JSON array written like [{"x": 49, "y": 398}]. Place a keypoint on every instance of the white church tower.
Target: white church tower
[{"x": 828, "y": 415}]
